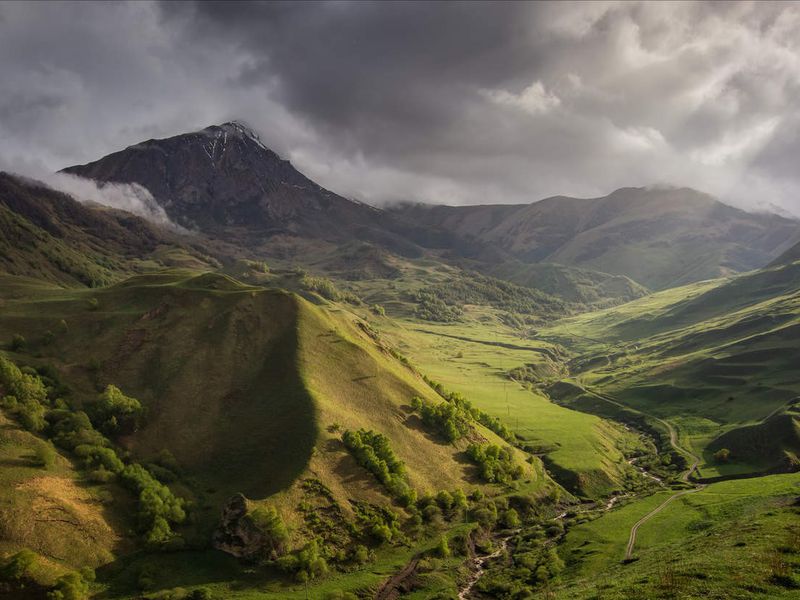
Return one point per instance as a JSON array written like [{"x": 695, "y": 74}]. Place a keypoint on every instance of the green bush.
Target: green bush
[
  {"x": 372, "y": 451},
  {"x": 115, "y": 413},
  {"x": 496, "y": 464},
  {"x": 272, "y": 526},
  {"x": 157, "y": 508},
  {"x": 18, "y": 566},
  {"x": 45, "y": 455},
  {"x": 18, "y": 343},
  {"x": 70, "y": 586}
]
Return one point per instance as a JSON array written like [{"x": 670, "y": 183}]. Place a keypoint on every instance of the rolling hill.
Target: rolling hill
[
  {"x": 50, "y": 236},
  {"x": 658, "y": 237}
]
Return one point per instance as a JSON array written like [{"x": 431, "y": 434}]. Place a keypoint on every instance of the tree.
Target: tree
[
  {"x": 19, "y": 565},
  {"x": 117, "y": 413},
  {"x": 442, "y": 548},
  {"x": 70, "y": 586},
  {"x": 272, "y": 526},
  {"x": 511, "y": 518},
  {"x": 722, "y": 455},
  {"x": 45, "y": 455}
]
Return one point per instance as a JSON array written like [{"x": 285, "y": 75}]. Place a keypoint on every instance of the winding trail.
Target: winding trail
[
  {"x": 479, "y": 562},
  {"x": 694, "y": 460}
]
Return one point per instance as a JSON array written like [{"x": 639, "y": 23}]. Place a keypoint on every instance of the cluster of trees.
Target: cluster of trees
[
  {"x": 465, "y": 406},
  {"x": 306, "y": 563},
  {"x": 532, "y": 564},
  {"x": 452, "y": 419},
  {"x": 276, "y": 535},
  {"x": 158, "y": 508},
  {"x": 16, "y": 578},
  {"x": 475, "y": 288},
  {"x": 25, "y": 396},
  {"x": 372, "y": 451},
  {"x": 115, "y": 413},
  {"x": 496, "y": 464},
  {"x": 430, "y": 307},
  {"x": 327, "y": 289}
]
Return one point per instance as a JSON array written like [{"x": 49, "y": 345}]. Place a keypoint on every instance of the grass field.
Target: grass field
[
  {"x": 474, "y": 358},
  {"x": 733, "y": 539}
]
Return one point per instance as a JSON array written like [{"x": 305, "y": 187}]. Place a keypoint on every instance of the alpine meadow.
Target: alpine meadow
[{"x": 378, "y": 300}]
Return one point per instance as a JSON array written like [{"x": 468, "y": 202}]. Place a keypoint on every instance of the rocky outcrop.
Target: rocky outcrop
[{"x": 237, "y": 534}]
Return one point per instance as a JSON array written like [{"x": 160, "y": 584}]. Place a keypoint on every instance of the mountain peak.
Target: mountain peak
[{"x": 234, "y": 128}]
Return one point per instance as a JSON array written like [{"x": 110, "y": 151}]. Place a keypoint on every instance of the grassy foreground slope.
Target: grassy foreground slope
[
  {"x": 733, "y": 539},
  {"x": 250, "y": 390}
]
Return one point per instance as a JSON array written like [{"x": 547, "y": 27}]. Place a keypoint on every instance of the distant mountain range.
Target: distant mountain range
[
  {"x": 225, "y": 182},
  {"x": 658, "y": 237}
]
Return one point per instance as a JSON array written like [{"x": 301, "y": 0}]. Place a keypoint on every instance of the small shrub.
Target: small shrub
[
  {"x": 18, "y": 343},
  {"x": 722, "y": 455},
  {"x": 45, "y": 455}
]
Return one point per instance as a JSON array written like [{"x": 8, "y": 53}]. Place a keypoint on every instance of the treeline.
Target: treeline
[
  {"x": 464, "y": 408},
  {"x": 372, "y": 451},
  {"x": 24, "y": 395},
  {"x": 445, "y": 301},
  {"x": 327, "y": 289},
  {"x": 496, "y": 464}
]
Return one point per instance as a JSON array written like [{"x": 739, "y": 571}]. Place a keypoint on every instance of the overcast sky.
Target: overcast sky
[{"x": 448, "y": 103}]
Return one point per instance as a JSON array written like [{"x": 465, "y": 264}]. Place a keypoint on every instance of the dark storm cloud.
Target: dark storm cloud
[{"x": 444, "y": 102}]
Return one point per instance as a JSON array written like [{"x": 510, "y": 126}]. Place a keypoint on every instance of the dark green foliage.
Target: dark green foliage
[
  {"x": 451, "y": 419},
  {"x": 18, "y": 566},
  {"x": 442, "y": 549},
  {"x": 158, "y": 508},
  {"x": 432, "y": 308},
  {"x": 70, "y": 586},
  {"x": 327, "y": 289},
  {"x": 531, "y": 565},
  {"x": 45, "y": 455},
  {"x": 24, "y": 395},
  {"x": 307, "y": 563},
  {"x": 496, "y": 464},
  {"x": 18, "y": 343},
  {"x": 372, "y": 451},
  {"x": 115, "y": 413},
  {"x": 722, "y": 455},
  {"x": 444, "y": 302},
  {"x": 272, "y": 526}
]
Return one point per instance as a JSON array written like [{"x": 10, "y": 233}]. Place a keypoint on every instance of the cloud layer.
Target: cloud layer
[{"x": 439, "y": 102}]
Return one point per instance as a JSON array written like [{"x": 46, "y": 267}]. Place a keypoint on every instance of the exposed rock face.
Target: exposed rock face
[
  {"x": 223, "y": 176},
  {"x": 237, "y": 534}
]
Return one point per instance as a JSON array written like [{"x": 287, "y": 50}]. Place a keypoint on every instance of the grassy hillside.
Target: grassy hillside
[
  {"x": 50, "y": 236},
  {"x": 49, "y": 507},
  {"x": 584, "y": 452},
  {"x": 711, "y": 358},
  {"x": 250, "y": 390},
  {"x": 658, "y": 237},
  {"x": 734, "y": 539}
]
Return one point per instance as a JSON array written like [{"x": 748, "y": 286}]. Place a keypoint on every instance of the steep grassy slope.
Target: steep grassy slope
[
  {"x": 584, "y": 452},
  {"x": 52, "y": 509},
  {"x": 50, "y": 236},
  {"x": 711, "y": 358},
  {"x": 658, "y": 237},
  {"x": 248, "y": 388}
]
